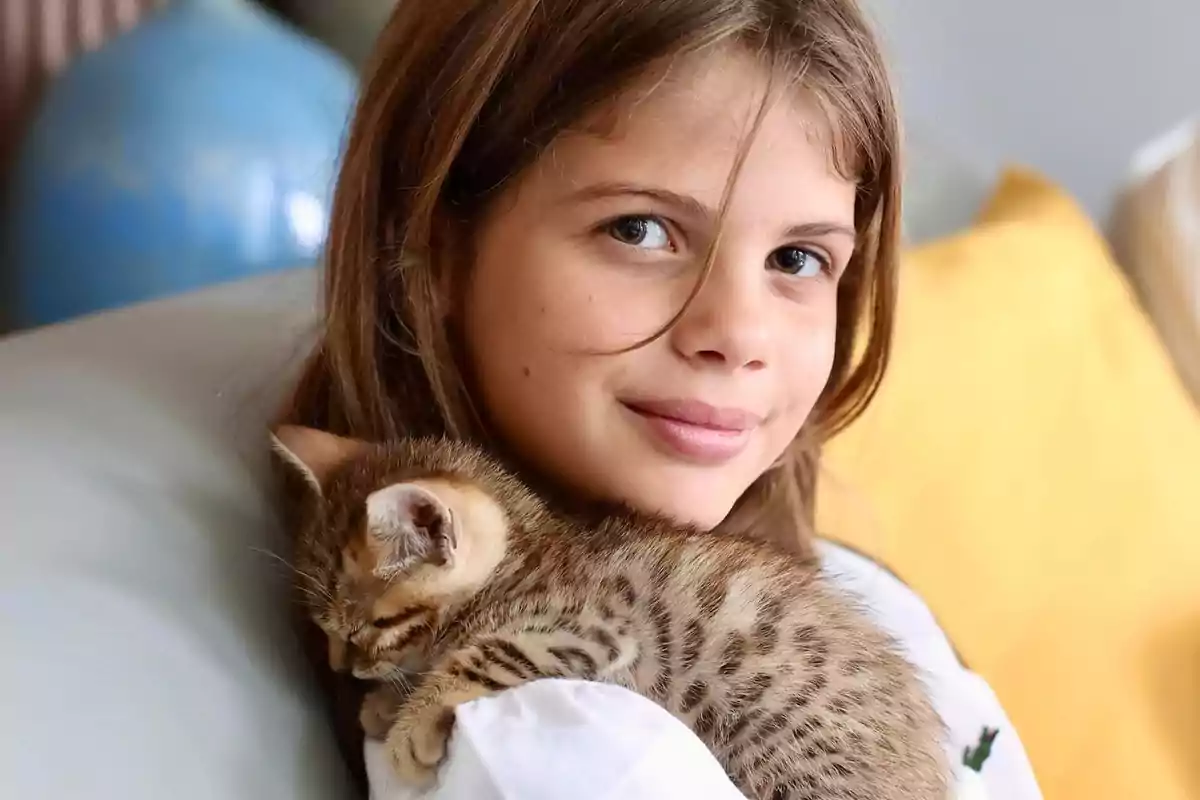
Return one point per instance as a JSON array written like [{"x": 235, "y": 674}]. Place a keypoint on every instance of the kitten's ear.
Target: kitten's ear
[
  {"x": 313, "y": 453},
  {"x": 410, "y": 525}
]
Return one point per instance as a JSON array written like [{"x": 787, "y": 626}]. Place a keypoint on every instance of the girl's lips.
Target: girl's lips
[
  {"x": 693, "y": 430},
  {"x": 696, "y": 412}
]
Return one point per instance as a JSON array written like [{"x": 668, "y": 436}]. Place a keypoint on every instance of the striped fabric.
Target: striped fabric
[{"x": 38, "y": 38}]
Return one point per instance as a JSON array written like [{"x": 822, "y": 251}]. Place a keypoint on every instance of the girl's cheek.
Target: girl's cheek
[
  {"x": 604, "y": 312},
  {"x": 813, "y": 357}
]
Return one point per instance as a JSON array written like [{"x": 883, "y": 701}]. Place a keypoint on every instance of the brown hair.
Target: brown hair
[{"x": 462, "y": 95}]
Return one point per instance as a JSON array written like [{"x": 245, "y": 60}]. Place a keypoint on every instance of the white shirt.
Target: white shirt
[{"x": 552, "y": 739}]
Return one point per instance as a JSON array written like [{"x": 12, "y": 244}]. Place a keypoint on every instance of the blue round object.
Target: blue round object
[{"x": 197, "y": 148}]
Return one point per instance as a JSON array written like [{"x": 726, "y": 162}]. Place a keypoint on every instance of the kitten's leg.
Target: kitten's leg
[
  {"x": 380, "y": 707},
  {"x": 418, "y": 739}
]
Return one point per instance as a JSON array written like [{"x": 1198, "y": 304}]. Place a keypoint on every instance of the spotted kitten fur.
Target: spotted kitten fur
[{"x": 427, "y": 557}]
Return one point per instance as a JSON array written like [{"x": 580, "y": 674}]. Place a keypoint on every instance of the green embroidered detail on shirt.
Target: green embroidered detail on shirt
[{"x": 973, "y": 757}]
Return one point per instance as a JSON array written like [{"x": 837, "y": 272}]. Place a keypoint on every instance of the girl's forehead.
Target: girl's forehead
[
  {"x": 714, "y": 92},
  {"x": 684, "y": 129}
]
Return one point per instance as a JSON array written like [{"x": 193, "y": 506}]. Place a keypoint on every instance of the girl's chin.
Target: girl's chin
[{"x": 699, "y": 506}]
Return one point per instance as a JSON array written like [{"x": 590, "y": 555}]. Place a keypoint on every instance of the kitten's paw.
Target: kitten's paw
[
  {"x": 379, "y": 710},
  {"x": 417, "y": 744}
]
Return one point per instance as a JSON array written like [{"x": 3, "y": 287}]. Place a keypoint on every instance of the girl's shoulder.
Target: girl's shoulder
[{"x": 983, "y": 744}]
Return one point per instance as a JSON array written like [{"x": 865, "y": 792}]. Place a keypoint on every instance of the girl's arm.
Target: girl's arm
[{"x": 558, "y": 738}]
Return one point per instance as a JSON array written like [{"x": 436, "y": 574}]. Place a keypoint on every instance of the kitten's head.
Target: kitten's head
[{"x": 392, "y": 539}]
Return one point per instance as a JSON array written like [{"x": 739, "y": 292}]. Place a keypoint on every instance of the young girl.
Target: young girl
[{"x": 646, "y": 248}]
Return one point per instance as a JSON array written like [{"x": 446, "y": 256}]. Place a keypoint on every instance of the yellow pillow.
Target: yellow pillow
[{"x": 1031, "y": 467}]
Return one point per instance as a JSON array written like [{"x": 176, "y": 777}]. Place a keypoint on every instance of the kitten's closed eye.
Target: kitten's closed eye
[
  {"x": 400, "y": 618},
  {"x": 407, "y": 628}
]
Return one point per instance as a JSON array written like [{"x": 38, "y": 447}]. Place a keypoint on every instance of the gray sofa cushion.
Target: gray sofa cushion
[{"x": 148, "y": 653}]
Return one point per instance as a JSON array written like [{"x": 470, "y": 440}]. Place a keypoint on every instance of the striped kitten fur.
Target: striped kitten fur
[{"x": 426, "y": 558}]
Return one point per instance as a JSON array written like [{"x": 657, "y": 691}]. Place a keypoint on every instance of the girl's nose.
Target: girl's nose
[{"x": 727, "y": 325}]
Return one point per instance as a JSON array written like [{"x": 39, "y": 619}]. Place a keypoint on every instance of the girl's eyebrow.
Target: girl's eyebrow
[
  {"x": 599, "y": 191},
  {"x": 693, "y": 207}
]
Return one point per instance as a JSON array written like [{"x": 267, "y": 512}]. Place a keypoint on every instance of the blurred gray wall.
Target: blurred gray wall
[{"x": 1071, "y": 87}]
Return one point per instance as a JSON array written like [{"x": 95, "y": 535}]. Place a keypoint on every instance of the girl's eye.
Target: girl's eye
[
  {"x": 646, "y": 232},
  {"x": 798, "y": 261}
]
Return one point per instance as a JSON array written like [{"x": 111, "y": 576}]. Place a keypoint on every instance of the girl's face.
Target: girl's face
[{"x": 600, "y": 243}]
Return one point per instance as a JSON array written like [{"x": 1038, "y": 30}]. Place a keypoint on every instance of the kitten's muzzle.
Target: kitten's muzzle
[{"x": 347, "y": 657}]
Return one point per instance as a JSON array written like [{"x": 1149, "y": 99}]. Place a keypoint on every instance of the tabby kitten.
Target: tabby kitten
[{"x": 427, "y": 557}]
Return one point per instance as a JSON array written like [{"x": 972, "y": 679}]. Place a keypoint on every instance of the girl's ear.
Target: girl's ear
[{"x": 313, "y": 453}]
